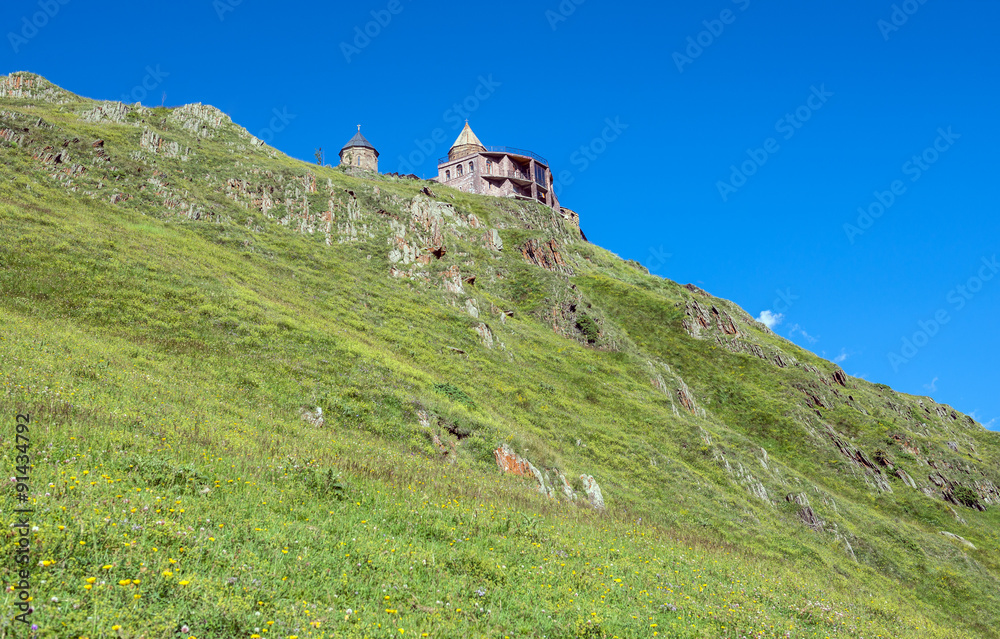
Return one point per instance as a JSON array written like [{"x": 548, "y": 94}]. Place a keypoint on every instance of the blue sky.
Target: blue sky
[{"x": 831, "y": 164}]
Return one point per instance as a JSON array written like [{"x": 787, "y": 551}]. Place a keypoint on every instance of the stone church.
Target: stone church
[
  {"x": 359, "y": 153},
  {"x": 499, "y": 171}
]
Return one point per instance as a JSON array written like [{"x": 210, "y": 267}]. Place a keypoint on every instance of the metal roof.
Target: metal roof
[{"x": 358, "y": 140}]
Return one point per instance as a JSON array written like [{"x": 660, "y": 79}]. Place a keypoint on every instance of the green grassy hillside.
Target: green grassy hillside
[{"x": 266, "y": 399}]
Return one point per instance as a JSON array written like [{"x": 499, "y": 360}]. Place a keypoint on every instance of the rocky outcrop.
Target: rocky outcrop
[
  {"x": 313, "y": 417},
  {"x": 452, "y": 279},
  {"x": 593, "y": 491},
  {"x": 471, "y": 307},
  {"x": 151, "y": 141},
  {"x": 806, "y": 513},
  {"x": 200, "y": 119},
  {"x": 906, "y": 478},
  {"x": 11, "y": 136},
  {"x": 686, "y": 400},
  {"x": 869, "y": 470},
  {"x": 28, "y": 86},
  {"x": 545, "y": 254},
  {"x": 699, "y": 319},
  {"x": 840, "y": 377},
  {"x": 492, "y": 240},
  {"x": 116, "y": 112},
  {"x": 510, "y": 462},
  {"x": 485, "y": 335}
]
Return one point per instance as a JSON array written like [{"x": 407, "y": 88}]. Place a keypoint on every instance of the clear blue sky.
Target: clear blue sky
[{"x": 817, "y": 105}]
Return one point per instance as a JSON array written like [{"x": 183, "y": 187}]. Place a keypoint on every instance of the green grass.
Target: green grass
[{"x": 166, "y": 362}]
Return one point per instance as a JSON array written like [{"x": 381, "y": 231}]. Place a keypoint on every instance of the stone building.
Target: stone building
[
  {"x": 499, "y": 171},
  {"x": 359, "y": 153}
]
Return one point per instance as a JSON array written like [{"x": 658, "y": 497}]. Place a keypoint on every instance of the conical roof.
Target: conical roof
[
  {"x": 467, "y": 138},
  {"x": 358, "y": 141}
]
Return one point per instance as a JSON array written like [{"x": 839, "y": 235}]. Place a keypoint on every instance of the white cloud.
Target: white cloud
[
  {"x": 932, "y": 386},
  {"x": 801, "y": 331},
  {"x": 770, "y": 319},
  {"x": 843, "y": 356},
  {"x": 990, "y": 425}
]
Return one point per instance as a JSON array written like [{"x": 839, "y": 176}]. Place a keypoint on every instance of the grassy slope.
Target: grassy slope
[{"x": 165, "y": 362}]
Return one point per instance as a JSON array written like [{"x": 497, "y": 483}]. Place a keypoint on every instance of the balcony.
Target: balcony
[
  {"x": 506, "y": 150},
  {"x": 512, "y": 175}
]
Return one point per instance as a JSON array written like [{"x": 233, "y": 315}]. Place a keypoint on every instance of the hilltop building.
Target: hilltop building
[
  {"x": 359, "y": 153},
  {"x": 471, "y": 166},
  {"x": 500, "y": 171}
]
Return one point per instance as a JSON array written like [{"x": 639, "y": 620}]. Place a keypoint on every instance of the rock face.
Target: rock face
[
  {"x": 151, "y": 141},
  {"x": 200, "y": 119},
  {"x": 545, "y": 255},
  {"x": 28, "y": 86},
  {"x": 806, "y": 513},
  {"x": 593, "y": 491},
  {"x": 485, "y": 335},
  {"x": 492, "y": 240},
  {"x": 902, "y": 474},
  {"x": 510, "y": 462},
  {"x": 116, "y": 112}
]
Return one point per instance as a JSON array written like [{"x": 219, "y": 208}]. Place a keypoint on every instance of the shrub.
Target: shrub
[
  {"x": 455, "y": 393},
  {"x": 965, "y": 496},
  {"x": 589, "y": 328}
]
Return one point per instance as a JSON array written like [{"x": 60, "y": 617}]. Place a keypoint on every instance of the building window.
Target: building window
[
  {"x": 472, "y": 168},
  {"x": 359, "y": 160},
  {"x": 489, "y": 167},
  {"x": 459, "y": 170},
  {"x": 447, "y": 175}
]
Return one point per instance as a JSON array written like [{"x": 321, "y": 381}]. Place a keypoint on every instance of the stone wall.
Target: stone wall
[
  {"x": 489, "y": 177},
  {"x": 369, "y": 161}
]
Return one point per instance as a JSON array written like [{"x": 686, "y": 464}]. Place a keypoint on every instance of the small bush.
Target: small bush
[
  {"x": 965, "y": 496},
  {"x": 455, "y": 393},
  {"x": 589, "y": 328}
]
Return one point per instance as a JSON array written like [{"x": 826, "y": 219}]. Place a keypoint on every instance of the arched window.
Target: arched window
[
  {"x": 459, "y": 170},
  {"x": 472, "y": 167},
  {"x": 489, "y": 167},
  {"x": 359, "y": 160},
  {"x": 447, "y": 175}
]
